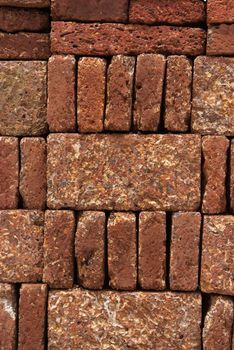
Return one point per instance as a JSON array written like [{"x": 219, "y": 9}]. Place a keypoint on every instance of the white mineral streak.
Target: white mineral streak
[{"x": 8, "y": 308}]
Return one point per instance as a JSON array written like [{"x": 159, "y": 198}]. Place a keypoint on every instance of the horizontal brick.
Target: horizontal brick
[
  {"x": 220, "y": 40},
  {"x": 21, "y": 242},
  {"x": 8, "y": 317},
  {"x": 220, "y": 11},
  {"x": 98, "y": 172},
  {"x": 127, "y": 320},
  {"x": 111, "y": 39},
  {"x": 217, "y": 273},
  {"x": 90, "y": 249},
  {"x": 59, "y": 248},
  {"x": 90, "y": 10},
  {"x": 232, "y": 177},
  {"x": 166, "y": 11},
  {"x": 9, "y": 172},
  {"x": 24, "y": 46},
  {"x": 61, "y": 114},
  {"x": 26, "y": 3}
]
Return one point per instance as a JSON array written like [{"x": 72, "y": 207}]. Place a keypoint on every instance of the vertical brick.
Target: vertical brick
[
  {"x": 152, "y": 250},
  {"x": 220, "y": 11},
  {"x": 91, "y": 94},
  {"x": 8, "y": 313},
  {"x": 33, "y": 172},
  {"x": 119, "y": 93},
  {"x": 150, "y": 69},
  {"x": 90, "y": 249},
  {"x": 58, "y": 248},
  {"x": 232, "y": 177},
  {"x": 61, "y": 114},
  {"x": 184, "y": 256},
  {"x": 32, "y": 316},
  {"x": 178, "y": 93},
  {"x": 214, "y": 150},
  {"x": 122, "y": 269},
  {"x": 220, "y": 40},
  {"x": 9, "y": 172}
]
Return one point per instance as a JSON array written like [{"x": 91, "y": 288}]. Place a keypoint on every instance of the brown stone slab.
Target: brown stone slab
[
  {"x": 113, "y": 320},
  {"x": 61, "y": 114},
  {"x": 59, "y": 230},
  {"x": 232, "y": 177},
  {"x": 220, "y": 11},
  {"x": 220, "y": 40},
  {"x": 8, "y": 315},
  {"x": 120, "y": 78},
  {"x": 124, "y": 172},
  {"x": 21, "y": 242},
  {"x": 184, "y": 251},
  {"x": 217, "y": 267},
  {"x": 214, "y": 150},
  {"x": 101, "y": 39},
  {"x": 90, "y": 249},
  {"x": 23, "y": 98},
  {"x": 25, "y": 3},
  {"x": 9, "y": 172},
  {"x": 152, "y": 250},
  {"x": 91, "y": 94},
  {"x": 90, "y": 10},
  {"x": 32, "y": 316},
  {"x": 150, "y": 70},
  {"x": 178, "y": 93},
  {"x": 33, "y": 172},
  {"x": 166, "y": 11},
  {"x": 217, "y": 330},
  {"x": 212, "y": 112}
]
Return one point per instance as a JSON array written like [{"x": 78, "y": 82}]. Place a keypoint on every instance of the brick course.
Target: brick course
[{"x": 8, "y": 316}]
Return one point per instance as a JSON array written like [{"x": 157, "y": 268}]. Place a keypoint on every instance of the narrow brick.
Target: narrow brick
[
  {"x": 109, "y": 39},
  {"x": 220, "y": 40},
  {"x": 8, "y": 315},
  {"x": 150, "y": 70},
  {"x": 21, "y": 242},
  {"x": 119, "y": 93},
  {"x": 32, "y": 316},
  {"x": 217, "y": 330},
  {"x": 178, "y": 93},
  {"x": 220, "y": 11},
  {"x": 217, "y": 272},
  {"x": 58, "y": 248},
  {"x": 214, "y": 150},
  {"x": 152, "y": 250},
  {"x": 33, "y": 172},
  {"x": 61, "y": 114},
  {"x": 232, "y": 177},
  {"x": 121, "y": 235},
  {"x": 9, "y": 172},
  {"x": 90, "y": 249},
  {"x": 26, "y": 3},
  {"x": 184, "y": 252},
  {"x": 91, "y": 94}
]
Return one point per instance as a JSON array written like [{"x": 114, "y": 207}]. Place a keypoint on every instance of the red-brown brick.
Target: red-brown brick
[
  {"x": 220, "y": 11},
  {"x": 26, "y": 3},
  {"x": 220, "y": 40},
  {"x": 8, "y": 317},
  {"x": 232, "y": 177},
  {"x": 152, "y": 250}
]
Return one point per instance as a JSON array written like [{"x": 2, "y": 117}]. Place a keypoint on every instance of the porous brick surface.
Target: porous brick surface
[
  {"x": 220, "y": 11},
  {"x": 26, "y": 3},
  {"x": 232, "y": 177},
  {"x": 220, "y": 40},
  {"x": 8, "y": 316}
]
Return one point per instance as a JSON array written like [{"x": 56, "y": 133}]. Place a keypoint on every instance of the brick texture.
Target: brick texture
[
  {"x": 220, "y": 40},
  {"x": 26, "y": 3},
  {"x": 8, "y": 316},
  {"x": 232, "y": 177},
  {"x": 220, "y": 11}
]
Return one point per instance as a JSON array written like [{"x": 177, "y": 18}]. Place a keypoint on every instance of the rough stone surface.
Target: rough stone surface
[
  {"x": 61, "y": 114},
  {"x": 212, "y": 112},
  {"x": 167, "y": 11},
  {"x": 21, "y": 242},
  {"x": 110, "y": 39},
  {"x": 124, "y": 172},
  {"x": 150, "y": 70},
  {"x": 232, "y": 177},
  {"x": 8, "y": 314},
  {"x": 59, "y": 248},
  {"x": 32, "y": 316},
  {"x": 90, "y": 10},
  {"x": 178, "y": 93},
  {"x": 9, "y": 172},
  {"x": 23, "y": 100},
  {"x": 91, "y": 94},
  {"x": 214, "y": 150},
  {"x": 220, "y": 40},
  {"x": 184, "y": 251},
  {"x": 90, "y": 249},
  {"x": 24, "y": 46},
  {"x": 217, "y": 267},
  {"x": 33, "y": 172},
  {"x": 111, "y": 320},
  {"x": 152, "y": 250},
  {"x": 217, "y": 331},
  {"x": 119, "y": 93},
  {"x": 220, "y": 11},
  {"x": 25, "y": 3},
  {"x": 122, "y": 259}
]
